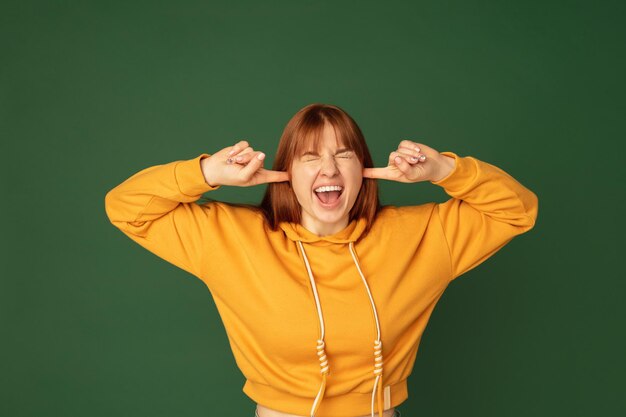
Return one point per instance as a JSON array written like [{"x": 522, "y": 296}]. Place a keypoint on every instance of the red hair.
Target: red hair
[{"x": 302, "y": 133}]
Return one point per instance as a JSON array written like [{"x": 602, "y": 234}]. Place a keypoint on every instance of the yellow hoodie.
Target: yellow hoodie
[{"x": 324, "y": 326}]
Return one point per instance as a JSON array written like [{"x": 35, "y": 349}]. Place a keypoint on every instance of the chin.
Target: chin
[{"x": 331, "y": 218}]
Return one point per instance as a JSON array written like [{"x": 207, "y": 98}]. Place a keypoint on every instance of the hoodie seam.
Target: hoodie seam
[{"x": 445, "y": 238}]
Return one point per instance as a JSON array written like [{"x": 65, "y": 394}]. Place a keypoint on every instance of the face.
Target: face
[{"x": 326, "y": 183}]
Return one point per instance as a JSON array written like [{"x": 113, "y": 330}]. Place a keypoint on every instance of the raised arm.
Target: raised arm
[
  {"x": 487, "y": 209},
  {"x": 156, "y": 206}
]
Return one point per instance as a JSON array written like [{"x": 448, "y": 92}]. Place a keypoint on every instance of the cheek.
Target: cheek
[
  {"x": 301, "y": 182},
  {"x": 355, "y": 176}
]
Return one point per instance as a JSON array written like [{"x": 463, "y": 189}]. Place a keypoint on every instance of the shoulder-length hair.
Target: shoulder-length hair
[{"x": 303, "y": 132}]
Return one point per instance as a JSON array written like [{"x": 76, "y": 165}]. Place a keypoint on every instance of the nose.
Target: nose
[{"x": 329, "y": 167}]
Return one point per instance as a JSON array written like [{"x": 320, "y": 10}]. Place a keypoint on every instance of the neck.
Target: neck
[{"x": 324, "y": 229}]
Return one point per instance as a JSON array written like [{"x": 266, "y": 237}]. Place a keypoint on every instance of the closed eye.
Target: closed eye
[{"x": 310, "y": 156}]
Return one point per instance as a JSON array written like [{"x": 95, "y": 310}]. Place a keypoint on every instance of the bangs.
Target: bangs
[{"x": 310, "y": 132}]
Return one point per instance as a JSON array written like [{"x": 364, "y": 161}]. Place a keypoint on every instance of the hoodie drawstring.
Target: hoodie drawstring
[
  {"x": 321, "y": 353},
  {"x": 378, "y": 344}
]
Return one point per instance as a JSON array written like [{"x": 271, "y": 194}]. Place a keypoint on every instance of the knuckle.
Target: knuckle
[{"x": 410, "y": 150}]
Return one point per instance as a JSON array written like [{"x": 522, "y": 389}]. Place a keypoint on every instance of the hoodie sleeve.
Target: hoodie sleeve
[
  {"x": 487, "y": 209},
  {"x": 156, "y": 208}
]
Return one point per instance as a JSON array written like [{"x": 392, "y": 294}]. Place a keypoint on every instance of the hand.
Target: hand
[
  {"x": 413, "y": 162},
  {"x": 239, "y": 165}
]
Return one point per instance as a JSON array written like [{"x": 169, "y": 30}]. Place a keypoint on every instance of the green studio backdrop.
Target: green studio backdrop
[{"x": 92, "y": 92}]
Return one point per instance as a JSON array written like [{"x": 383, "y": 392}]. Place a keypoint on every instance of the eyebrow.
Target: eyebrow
[{"x": 341, "y": 150}]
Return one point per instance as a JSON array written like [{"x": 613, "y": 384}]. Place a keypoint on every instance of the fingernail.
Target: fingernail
[
  {"x": 423, "y": 157},
  {"x": 231, "y": 152},
  {"x": 417, "y": 148},
  {"x": 239, "y": 158},
  {"x": 261, "y": 156},
  {"x": 414, "y": 158},
  {"x": 397, "y": 159}
]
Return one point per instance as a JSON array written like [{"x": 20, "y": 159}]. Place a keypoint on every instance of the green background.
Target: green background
[{"x": 92, "y": 92}]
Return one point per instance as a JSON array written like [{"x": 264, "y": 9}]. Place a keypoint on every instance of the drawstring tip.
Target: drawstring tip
[
  {"x": 319, "y": 396},
  {"x": 381, "y": 406}
]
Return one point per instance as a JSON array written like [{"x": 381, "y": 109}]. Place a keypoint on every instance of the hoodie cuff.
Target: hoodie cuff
[
  {"x": 464, "y": 170},
  {"x": 190, "y": 178}
]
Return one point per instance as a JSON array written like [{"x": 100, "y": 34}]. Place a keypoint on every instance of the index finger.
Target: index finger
[
  {"x": 379, "y": 173},
  {"x": 268, "y": 175}
]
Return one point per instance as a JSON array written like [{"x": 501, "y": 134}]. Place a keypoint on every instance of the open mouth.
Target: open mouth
[{"x": 329, "y": 195}]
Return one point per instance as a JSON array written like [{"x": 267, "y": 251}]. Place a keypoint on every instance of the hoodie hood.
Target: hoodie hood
[{"x": 351, "y": 233}]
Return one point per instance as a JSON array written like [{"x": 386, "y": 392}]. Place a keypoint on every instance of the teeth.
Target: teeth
[{"x": 328, "y": 188}]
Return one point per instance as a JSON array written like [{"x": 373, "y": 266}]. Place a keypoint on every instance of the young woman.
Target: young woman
[{"x": 323, "y": 293}]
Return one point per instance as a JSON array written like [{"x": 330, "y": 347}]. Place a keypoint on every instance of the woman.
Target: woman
[{"x": 319, "y": 283}]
